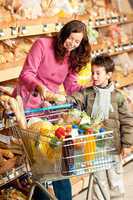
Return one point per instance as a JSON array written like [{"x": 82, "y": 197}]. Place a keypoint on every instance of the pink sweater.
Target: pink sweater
[{"x": 41, "y": 67}]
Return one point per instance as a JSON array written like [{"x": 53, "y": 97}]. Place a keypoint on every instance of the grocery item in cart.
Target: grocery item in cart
[
  {"x": 55, "y": 157},
  {"x": 90, "y": 145},
  {"x": 40, "y": 125},
  {"x": 67, "y": 156}
]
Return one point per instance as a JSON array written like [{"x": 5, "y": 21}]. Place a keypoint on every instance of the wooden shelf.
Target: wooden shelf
[
  {"x": 121, "y": 80},
  {"x": 115, "y": 50},
  {"x": 102, "y": 22},
  {"x": 10, "y": 71},
  {"x": 124, "y": 49},
  {"x": 42, "y": 25},
  {"x": 45, "y": 25}
]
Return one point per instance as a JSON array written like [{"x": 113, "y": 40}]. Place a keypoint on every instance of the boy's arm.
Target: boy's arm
[
  {"x": 78, "y": 98},
  {"x": 126, "y": 123}
]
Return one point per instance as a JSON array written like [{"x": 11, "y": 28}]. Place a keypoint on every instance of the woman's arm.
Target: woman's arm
[{"x": 29, "y": 72}]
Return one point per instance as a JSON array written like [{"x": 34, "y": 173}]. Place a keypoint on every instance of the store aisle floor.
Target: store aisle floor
[{"x": 128, "y": 179}]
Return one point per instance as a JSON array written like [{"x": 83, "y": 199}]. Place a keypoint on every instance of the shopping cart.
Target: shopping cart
[{"x": 72, "y": 156}]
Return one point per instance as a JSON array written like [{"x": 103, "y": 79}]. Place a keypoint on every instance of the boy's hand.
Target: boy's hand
[
  {"x": 60, "y": 99},
  {"x": 125, "y": 152}
]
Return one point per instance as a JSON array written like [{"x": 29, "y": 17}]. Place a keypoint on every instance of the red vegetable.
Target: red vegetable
[
  {"x": 90, "y": 131},
  {"x": 60, "y": 132}
]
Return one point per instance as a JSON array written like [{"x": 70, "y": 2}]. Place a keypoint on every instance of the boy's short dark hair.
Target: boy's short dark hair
[{"x": 105, "y": 61}]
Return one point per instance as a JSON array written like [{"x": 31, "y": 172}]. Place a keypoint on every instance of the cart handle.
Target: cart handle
[
  {"x": 36, "y": 110},
  {"x": 53, "y": 107}
]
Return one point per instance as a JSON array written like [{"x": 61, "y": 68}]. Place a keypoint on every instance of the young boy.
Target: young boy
[{"x": 104, "y": 101}]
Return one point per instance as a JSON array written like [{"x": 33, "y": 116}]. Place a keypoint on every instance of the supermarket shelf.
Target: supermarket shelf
[
  {"x": 45, "y": 25},
  {"x": 121, "y": 80},
  {"x": 116, "y": 50},
  {"x": 10, "y": 71},
  {"x": 123, "y": 49},
  {"x": 8, "y": 23},
  {"x": 12, "y": 175},
  {"x": 26, "y": 27},
  {"x": 107, "y": 21},
  {"x": 121, "y": 19}
]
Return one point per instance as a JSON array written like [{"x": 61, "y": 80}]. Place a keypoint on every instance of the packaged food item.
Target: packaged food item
[
  {"x": 90, "y": 146},
  {"x": 100, "y": 141},
  {"x": 43, "y": 126},
  {"x": 79, "y": 153},
  {"x": 74, "y": 132},
  {"x": 67, "y": 156}
]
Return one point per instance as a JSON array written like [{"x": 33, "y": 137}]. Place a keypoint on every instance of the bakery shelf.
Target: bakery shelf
[
  {"x": 116, "y": 50},
  {"x": 13, "y": 175},
  {"x": 10, "y": 71},
  {"x": 102, "y": 22},
  {"x": 122, "y": 80},
  {"x": 44, "y": 25},
  {"x": 8, "y": 33},
  {"x": 124, "y": 50}
]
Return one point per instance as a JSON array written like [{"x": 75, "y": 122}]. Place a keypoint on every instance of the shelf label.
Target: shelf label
[
  {"x": 5, "y": 139},
  {"x": 2, "y": 33}
]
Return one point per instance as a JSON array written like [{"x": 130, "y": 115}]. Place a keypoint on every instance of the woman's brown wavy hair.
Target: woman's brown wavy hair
[{"x": 80, "y": 56}]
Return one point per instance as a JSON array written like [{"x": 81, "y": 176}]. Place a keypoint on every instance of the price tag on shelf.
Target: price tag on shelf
[
  {"x": 23, "y": 30},
  {"x": 58, "y": 26},
  {"x": 14, "y": 31},
  {"x": 45, "y": 27},
  {"x": 5, "y": 139},
  {"x": 2, "y": 33}
]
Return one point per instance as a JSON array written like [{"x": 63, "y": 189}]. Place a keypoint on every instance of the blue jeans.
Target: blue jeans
[{"x": 62, "y": 190}]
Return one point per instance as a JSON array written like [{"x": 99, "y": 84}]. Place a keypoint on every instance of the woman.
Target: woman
[{"x": 51, "y": 62}]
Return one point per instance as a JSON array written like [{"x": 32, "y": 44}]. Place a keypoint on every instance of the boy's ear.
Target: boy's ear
[{"x": 109, "y": 75}]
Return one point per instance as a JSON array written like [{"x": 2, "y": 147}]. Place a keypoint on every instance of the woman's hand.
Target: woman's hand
[
  {"x": 50, "y": 96},
  {"x": 42, "y": 91},
  {"x": 45, "y": 93}
]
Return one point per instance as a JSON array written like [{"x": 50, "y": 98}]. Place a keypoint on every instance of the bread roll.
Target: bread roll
[{"x": 44, "y": 127}]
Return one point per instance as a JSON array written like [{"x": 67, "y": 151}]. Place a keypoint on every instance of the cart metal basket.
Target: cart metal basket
[{"x": 72, "y": 156}]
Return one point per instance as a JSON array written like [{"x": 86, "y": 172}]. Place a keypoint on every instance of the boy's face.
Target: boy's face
[{"x": 99, "y": 76}]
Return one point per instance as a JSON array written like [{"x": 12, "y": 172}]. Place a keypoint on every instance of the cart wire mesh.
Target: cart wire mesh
[{"x": 72, "y": 156}]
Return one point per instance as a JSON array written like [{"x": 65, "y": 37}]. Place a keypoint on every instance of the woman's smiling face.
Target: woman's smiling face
[{"x": 73, "y": 41}]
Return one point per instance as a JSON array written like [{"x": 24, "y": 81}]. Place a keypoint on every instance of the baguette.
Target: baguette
[
  {"x": 20, "y": 103},
  {"x": 8, "y": 165},
  {"x": 16, "y": 109}
]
